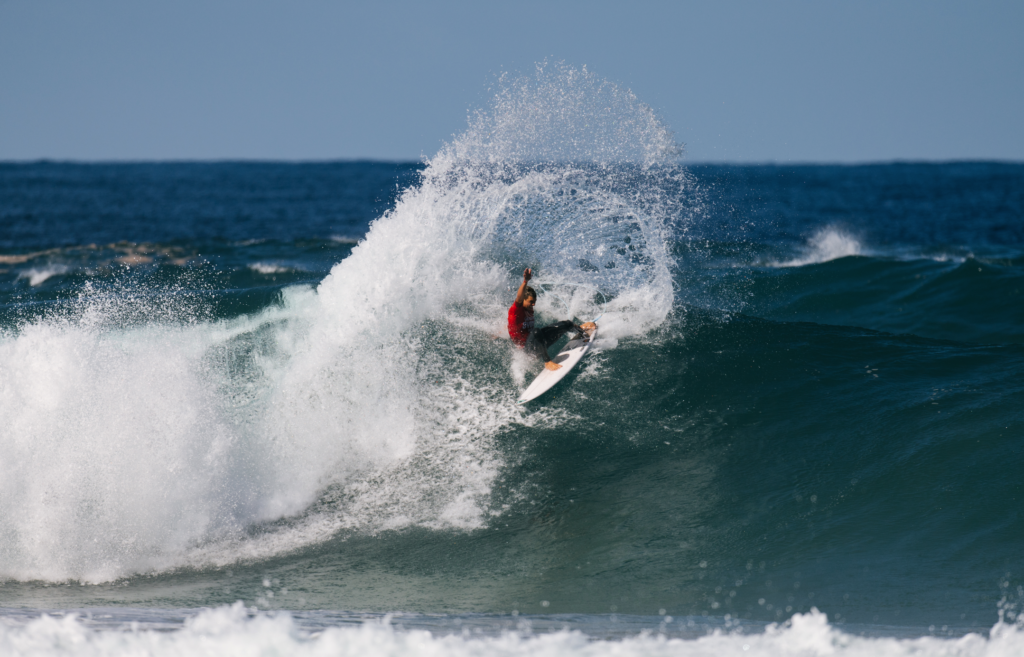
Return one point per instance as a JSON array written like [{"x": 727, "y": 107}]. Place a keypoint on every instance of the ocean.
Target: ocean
[{"x": 269, "y": 407}]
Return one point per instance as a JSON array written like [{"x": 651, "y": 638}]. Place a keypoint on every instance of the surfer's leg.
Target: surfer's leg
[
  {"x": 536, "y": 346},
  {"x": 578, "y": 332},
  {"x": 540, "y": 339},
  {"x": 549, "y": 335}
]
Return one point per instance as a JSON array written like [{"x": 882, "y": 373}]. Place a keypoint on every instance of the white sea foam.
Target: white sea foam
[
  {"x": 268, "y": 268},
  {"x": 234, "y": 631},
  {"x": 826, "y": 244},
  {"x": 137, "y": 438},
  {"x": 39, "y": 275}
]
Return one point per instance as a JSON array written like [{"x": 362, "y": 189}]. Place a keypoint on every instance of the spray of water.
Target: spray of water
[
  {"x": 826, "y": 244},
  {"x": 371, "y": 402}
]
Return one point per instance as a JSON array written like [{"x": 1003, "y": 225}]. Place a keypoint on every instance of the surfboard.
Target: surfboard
[{"x": 571, "y": 354}]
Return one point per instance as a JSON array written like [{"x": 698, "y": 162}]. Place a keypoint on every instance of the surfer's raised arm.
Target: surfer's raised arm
[{"x": 521, "y": 294}]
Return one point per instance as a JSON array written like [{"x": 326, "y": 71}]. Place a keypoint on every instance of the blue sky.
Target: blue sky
[{"x": 317, "y": 79}]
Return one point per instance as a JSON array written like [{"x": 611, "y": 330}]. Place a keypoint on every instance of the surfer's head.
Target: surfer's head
[{"x": 529, "y": 297}]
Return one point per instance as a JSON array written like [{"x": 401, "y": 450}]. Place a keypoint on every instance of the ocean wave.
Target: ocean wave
[
  {"x": 825, "y": 245},
  {"x": 38, "y": 275},
  {"x": 141, "y": 436},
  {"x": 268, "y": 268},
  {"x": 56, "y": 261},
  {"x": 238, "y": 631},
  {"x": 963, "y": 299},
  {"x": 832, "y": 243}
]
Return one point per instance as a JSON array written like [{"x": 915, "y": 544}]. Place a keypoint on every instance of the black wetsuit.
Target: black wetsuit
[{"x": 540, "y": 339}]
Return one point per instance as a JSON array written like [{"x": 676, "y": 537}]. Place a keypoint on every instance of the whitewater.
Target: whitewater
[{"x": 231, "y": 631}]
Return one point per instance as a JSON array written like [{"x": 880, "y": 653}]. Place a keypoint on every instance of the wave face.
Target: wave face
[{"x": 290, "y": 385}]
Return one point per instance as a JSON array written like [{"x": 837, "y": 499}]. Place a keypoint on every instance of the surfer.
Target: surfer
[{"x": 537, "y": 340}]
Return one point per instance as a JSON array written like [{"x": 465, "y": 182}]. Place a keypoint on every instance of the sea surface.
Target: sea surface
[{"x": 269, "y": 407}]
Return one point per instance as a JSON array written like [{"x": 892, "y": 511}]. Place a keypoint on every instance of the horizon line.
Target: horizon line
[{"x": 423, "y": 162}]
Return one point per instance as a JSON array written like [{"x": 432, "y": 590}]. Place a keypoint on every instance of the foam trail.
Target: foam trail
[{"x": 140, "y": 437}]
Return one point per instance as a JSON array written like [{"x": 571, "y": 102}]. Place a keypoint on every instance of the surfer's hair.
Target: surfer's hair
[{"x": 529, "y": 292}]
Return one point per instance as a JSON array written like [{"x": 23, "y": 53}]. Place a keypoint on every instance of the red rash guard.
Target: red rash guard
[{"x": 520, "y": 323}]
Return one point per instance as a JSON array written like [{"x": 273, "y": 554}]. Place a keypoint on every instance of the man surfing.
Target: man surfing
[{"x": 537, "y": 340}]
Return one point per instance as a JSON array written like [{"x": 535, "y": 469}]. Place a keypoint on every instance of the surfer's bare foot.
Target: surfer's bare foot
[
  {"x": 552, "y": 365},
  {"x": 584, "y": 331}
]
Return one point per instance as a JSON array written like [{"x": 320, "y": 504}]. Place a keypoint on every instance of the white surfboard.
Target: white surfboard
[{"x": 567, "y": 358}]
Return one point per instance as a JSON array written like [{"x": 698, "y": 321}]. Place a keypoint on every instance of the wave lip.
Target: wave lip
[
  {"x": 826, "y": 244},
  {"x": 38, "y": 275}
]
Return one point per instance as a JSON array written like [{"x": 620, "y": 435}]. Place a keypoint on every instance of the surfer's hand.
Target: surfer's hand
[
  {"x": 527, "y": 275},
  {"x": 552, "y": 365}
]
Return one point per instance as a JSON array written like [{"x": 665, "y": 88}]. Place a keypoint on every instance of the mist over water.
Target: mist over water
[{"x": 291, "y": 386}]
